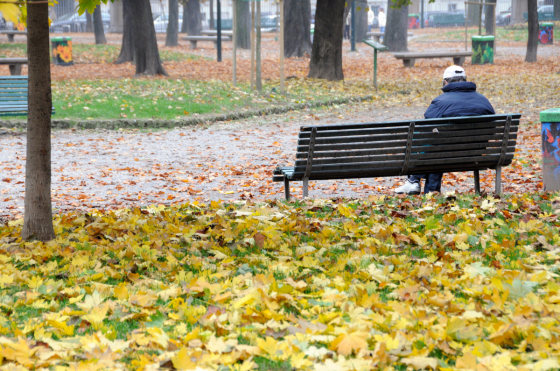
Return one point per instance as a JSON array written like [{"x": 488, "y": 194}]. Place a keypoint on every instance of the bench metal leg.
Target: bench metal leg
[
  {"x": 193, "y": 44},
  {"x": 15, "y": 69},
  {"x": 11, "y": 38},
  {"x": 498, "y": 188},
  {"x": 477, "y": 182},
  {"x": 287, "y": 188},
  {"x": 305, "y": 188},
  {"x": 458, "y": 61},
  {"x": 409, "y": 62}
]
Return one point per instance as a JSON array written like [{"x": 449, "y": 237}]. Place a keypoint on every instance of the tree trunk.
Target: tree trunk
[
  {"x": 146, "y": 52},
  {"x": 243, "y": 24},
  {"x": 557, "y": 9},
  {"x": 127, "y": 48},
  {"x": 533, "y": 41},
  {"x": 326, "y": 54},
  {"x": 98, "y": 27},
  {"x": 211, "y": 14},
  {"x": 38, "y": 207},
  {"x": 194, "y": 24},
  {"x": 185, "y": 18},
  {"x": 489, "y": 18},
  {"x": 361, "y": 22},
  {"x": 172, "y": 38},
  {"x": 396, "y": 29},
  {"x": 297, "y": 30},
  {"x": 89, "y": 22}
]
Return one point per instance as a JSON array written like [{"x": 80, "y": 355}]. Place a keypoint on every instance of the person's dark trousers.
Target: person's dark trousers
[
  {"x": 347, "y": 32},
  {"x": 433, "y": 181}
]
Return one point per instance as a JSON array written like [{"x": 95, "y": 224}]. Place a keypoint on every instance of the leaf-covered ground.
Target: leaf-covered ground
[{"x": 385, "y": 283}]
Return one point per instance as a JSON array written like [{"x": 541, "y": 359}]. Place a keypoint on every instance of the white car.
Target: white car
[{"x": 160, "y": 23}]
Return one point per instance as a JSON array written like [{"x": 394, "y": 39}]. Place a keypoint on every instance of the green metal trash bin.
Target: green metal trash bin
[
  {"x": 550, "y": 133},
  {"x": 483, "y": 49},
  {"x": 62, "y": 51},
  {"x": 546, "y": 33}
]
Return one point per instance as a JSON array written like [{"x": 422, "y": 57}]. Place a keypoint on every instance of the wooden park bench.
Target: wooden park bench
[
  {"x": 11, "y": 34},
  {"x": 398, "y": 148},
  {"x": 13, "y": 96},
  {"x": 377, "y": 35},
  {"x": 410, "y": 58},
  {"x": 195, "y": 39},
  {"x": 14, "y": 63}
]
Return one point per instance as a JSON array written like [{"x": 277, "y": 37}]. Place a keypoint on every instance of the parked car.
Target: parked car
[
  {"x": 73, "y": 22},
  {"x": 160, "y": 23},
  {"x": 429, "y": 18},
  {"x": 268, "y": 23},
  {"x": 504, "y": 18}
]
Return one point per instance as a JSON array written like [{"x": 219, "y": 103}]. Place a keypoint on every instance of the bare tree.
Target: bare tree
[
  {"x": 533, "y": 40},
  {"x": 146, "y": 53},
  {"x": 89, "y": 22},
  {"x": 490, "y": 18},
  {"x": 297, "y": 30},
  {"x": 38, "y": 205},
  {"x": 172, "y": 38},
  {"x": 396, "y": 31},
  {"x": 326, "y": 54},
  {"x": 127, "y": 48},
  {"x": 98, "y": 27},
  {"x": 194, "y": 21}
]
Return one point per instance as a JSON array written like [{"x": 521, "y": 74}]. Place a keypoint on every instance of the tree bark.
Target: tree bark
[
  {"x": 146, "y": 53},
  {"x": 172, "y": 38},
  {"x": 212, "y": 21},
  {"x": 396, "y": 29},
  {"x": 243, "y": 24},
  {"x": 326, "y": 54},
  {"x": 361, "y": 22},
  {"x": 557, "y": 9},
  {"x": 490, "y": 18},
  {"x": 38, "y": 206},
  {"x": 297, "y": 30},
  {"x": 89, "y": 22},
  {"x": 127, "y": 48},
  {"x": 194, "y": 24},
  {"x": 185, "y": 18},
  {"x": 533, "y": 42},
  {"x": 98, "y": 27}
]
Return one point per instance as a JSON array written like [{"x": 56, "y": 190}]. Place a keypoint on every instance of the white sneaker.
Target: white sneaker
[{"x": 409, "y": 188}]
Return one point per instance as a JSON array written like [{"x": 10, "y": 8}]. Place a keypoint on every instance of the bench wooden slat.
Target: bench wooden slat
[
  {"x": 13, "y": 95},
  {"x": 404, "y": 129},
  {"x": 401, "y": 143},
  {"x": 416, "y": 156},
  {"x": 300, "y": 170},
  {"x": 396, "y": 150},
  {"x": 419, "y": 123},
  {"x": 440, "y": 135}
]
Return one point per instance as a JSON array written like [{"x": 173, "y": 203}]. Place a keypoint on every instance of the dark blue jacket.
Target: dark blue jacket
[{"x": 459, "y": 99}]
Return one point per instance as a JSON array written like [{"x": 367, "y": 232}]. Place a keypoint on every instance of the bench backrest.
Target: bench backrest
[
  {"x": 406, "y": 147},
  {"x": 13, "y": 89}
]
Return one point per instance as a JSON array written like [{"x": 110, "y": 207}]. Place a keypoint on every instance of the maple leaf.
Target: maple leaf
[
  {"x": 182, "y": 360},
  {"x": 421, "y": 363},
  {"x": 345, "y": 344}
]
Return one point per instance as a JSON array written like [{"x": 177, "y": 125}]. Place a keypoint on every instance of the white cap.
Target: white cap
[{"x": 454, "y": 71}]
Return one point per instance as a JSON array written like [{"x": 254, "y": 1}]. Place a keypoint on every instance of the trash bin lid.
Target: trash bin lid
[
  {"x": 62, "y": 38},
  {"x": 546, "y": 24},
  {"x": 551, "y": 115},
  {"x": 414, "y": 15},
  {"x": 483, "y": 38}
]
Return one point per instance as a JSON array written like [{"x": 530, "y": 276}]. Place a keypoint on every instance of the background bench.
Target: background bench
[
  {"x": 377, "y": 35},
  {"x": 195, "y": 39},
  {"x": 13, "y": 96},
  {"x": 14, "y": 63},
  {"x": 410, "y": 58},
  {"x": 402, "y": 148},
  {"x": 215, "y": 32},
  {"x": 11, "y": 34}
]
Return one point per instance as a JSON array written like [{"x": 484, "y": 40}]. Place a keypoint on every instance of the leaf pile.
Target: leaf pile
[{"x": 441, "y": 283}]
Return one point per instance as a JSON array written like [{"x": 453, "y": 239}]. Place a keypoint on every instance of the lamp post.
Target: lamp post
[
  {"x": 219, "y": 29},
  {"x": 353, "y": 37}
]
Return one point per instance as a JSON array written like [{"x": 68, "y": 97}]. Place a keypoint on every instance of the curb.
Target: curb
[{"x": 150, "y": 123}]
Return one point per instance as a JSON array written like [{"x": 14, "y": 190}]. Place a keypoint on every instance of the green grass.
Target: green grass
[
  {"x": 502, "y": 34},
  {"x": 90, "y": 53}
]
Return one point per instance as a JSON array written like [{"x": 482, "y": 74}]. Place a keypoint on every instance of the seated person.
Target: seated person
[{"x": 459, "y": 98}]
